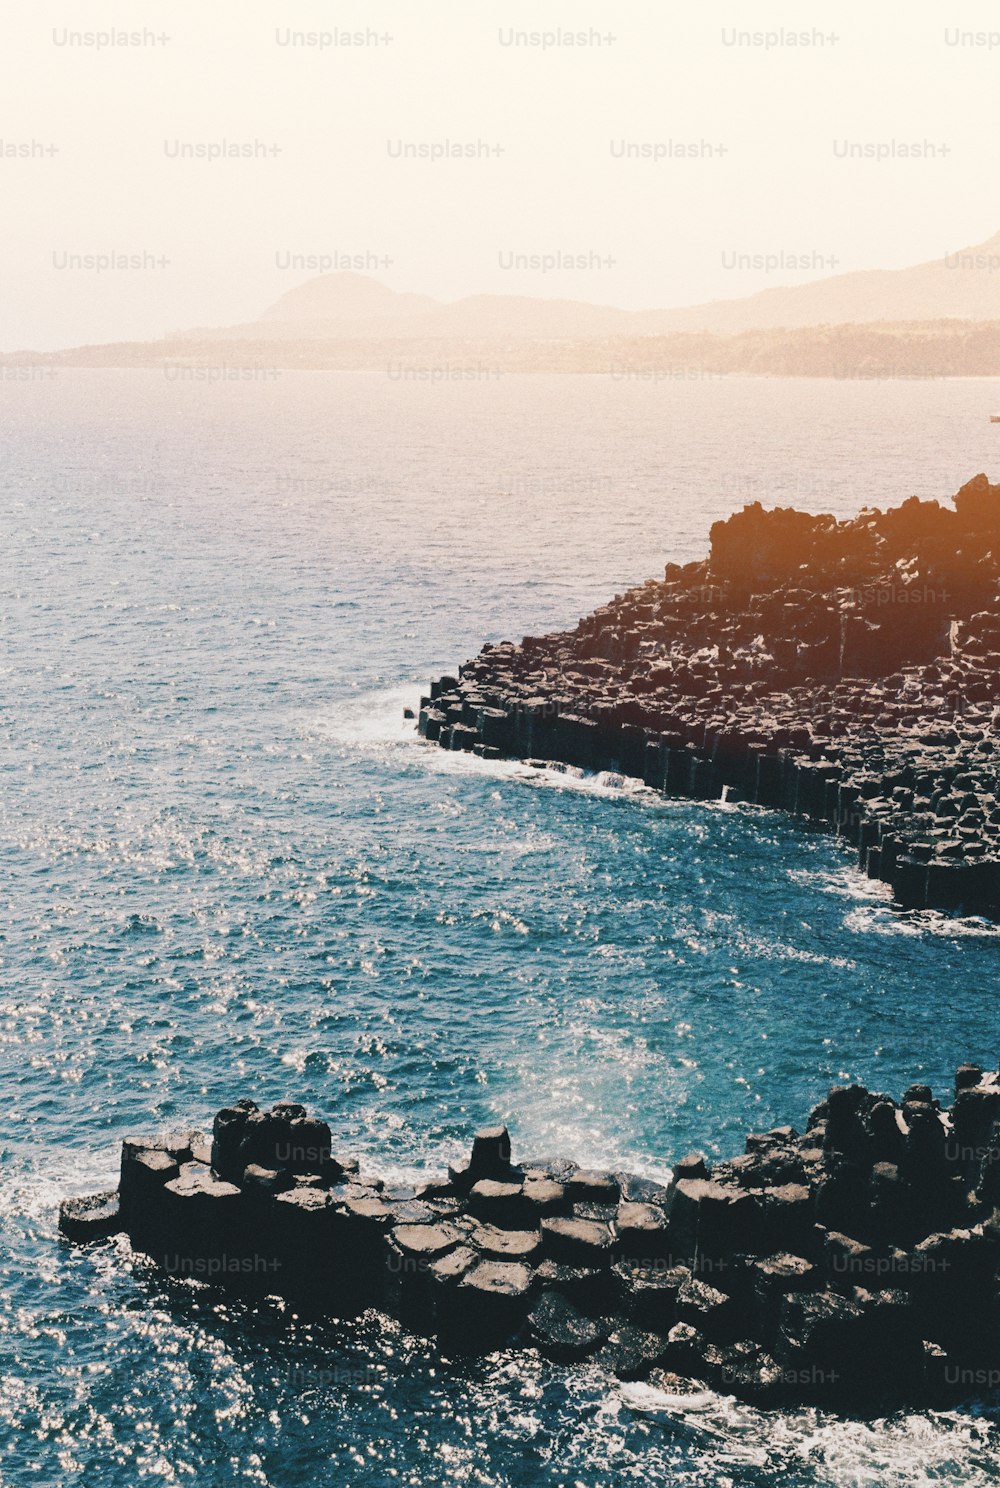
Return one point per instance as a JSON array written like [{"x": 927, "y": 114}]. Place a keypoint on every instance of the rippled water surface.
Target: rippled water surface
[{"x": 229, "y": 868}]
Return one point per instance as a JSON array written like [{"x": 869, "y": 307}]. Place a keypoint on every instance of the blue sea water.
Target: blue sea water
[{"x": 229, "y": 868}]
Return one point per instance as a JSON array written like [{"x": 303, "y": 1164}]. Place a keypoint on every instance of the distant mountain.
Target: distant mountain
[
  {"x": 345, "y": 296},
  {"x": 964, "y": 285},
  {"x": 345, "y": 306},
  {"x": 938, "y": 319}
]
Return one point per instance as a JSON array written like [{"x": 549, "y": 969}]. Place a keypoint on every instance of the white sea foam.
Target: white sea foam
[
  {"x": 810, "y": 1446},
  {"x": 374, "y": 721},
  {"x": 919, "y": 923},
  {"x": 370, "y": 718},
  {"x": 873, "y": 911},
  {"x": 32, "y": 1196},
  {"x": 845, "y": 882}
]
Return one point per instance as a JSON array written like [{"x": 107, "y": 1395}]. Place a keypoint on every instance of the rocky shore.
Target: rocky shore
[
  {"x": 854, "y": 1264},
  {"x": 845, "y": 671}
]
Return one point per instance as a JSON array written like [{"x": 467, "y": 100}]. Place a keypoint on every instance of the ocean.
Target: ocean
[{"x": 230, "y": 867}]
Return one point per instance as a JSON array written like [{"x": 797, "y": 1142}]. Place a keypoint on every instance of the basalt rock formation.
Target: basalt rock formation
[
  {"x": 854, "y": 1264},
  {"x": 846, "y": 671}
]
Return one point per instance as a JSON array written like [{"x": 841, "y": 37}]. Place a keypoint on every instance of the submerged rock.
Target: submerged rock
[{"x": 93, "y": 1217}]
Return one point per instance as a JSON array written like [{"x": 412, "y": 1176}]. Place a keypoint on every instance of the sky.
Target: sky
[{"x": 664, "y": 156}]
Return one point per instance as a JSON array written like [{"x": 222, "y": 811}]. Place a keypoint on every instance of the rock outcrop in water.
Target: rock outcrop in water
[
  {"x": 854, "y": 1264},
  {"x": 846, "y": 671}
]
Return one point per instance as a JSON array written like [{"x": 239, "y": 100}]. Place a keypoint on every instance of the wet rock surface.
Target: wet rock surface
[
  {"x": 845, "y": 671},
  {"x": 855, "y": 1263}
]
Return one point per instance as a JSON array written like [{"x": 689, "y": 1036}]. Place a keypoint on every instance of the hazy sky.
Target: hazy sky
[{"x": 325, "y": 121}]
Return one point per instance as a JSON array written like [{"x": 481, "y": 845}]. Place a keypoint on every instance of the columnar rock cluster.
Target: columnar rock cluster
[
  {"x": 848, "y": 672},
  {"x": 855, "y": 1263}
]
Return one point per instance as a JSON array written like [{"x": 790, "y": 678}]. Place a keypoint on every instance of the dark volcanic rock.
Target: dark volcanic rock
[
  {"x": 845, "y": 671},
  {"x": 561, "y": 1331},
  {"x": 577, "y": 1242},
  {"x": 856, "y": 1265},
  {"x": 93, "y": 1217}
]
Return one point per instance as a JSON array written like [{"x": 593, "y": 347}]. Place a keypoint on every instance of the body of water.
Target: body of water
[{"x": 229, "y": 869}]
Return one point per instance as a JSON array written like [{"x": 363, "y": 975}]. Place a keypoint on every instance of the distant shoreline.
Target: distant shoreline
[
  {"x": 13, "y": 371},
  {"x": 877, "y": 352}
]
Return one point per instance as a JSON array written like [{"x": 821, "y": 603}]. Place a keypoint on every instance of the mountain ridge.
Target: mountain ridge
[
  {"x": 964, "y": 285},
  {"x": 937, "y": 319}
]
